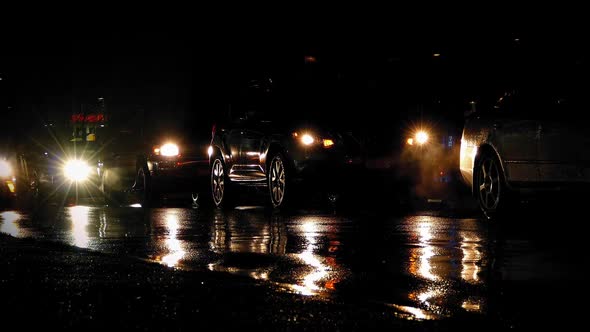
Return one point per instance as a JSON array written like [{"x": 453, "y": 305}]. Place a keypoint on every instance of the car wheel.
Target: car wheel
[
  {"x": 219, "y": 184},
  {"x": 492, "y": 193},
  {"x": 277, "y": 180},
  {"x": 143, "y": 187}
]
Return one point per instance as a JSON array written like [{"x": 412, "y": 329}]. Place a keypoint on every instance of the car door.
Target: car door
[
  {"x": 516, "y": 134},
  {"x": 245, "y": 144},
  {"x": 564, "y": 146},
  {"x": 250, "y": 152}
]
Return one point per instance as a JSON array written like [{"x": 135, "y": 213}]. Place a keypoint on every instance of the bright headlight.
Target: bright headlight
[
  {"x": 169, "y": 150},
  {"x": 421, "y": 137},
  {"x": 307, "y": 139},
  {"x": 76, "y": 170},
  {"x": 5, "y": 169}
]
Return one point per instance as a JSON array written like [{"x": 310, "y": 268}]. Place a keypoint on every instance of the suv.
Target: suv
[{"x": 268, "y": 145}]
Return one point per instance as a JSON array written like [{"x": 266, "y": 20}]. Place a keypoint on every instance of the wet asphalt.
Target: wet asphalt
[{"x": 425, "y": 263}]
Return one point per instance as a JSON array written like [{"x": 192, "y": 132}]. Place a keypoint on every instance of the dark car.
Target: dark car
[
  {"x": 272, "y": 142},
  {"x": 532, "y": 141},
  {"x": 166, "y": 158}
]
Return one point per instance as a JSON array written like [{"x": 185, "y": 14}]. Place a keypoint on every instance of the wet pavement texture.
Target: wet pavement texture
[{"x": 433, "y": 264}]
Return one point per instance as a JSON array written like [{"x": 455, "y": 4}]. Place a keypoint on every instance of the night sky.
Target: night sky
[{"x": 189, "y": 74}]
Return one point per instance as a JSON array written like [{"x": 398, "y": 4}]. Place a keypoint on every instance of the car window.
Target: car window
[{"x": 537, "y": 103}]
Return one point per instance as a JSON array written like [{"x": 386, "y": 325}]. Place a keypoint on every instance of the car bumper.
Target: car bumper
[
  {"x": 178, "y": 175},
  {"x": 328, "y": 169}
]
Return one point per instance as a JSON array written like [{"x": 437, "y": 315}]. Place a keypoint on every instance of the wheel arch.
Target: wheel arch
[{"x": 275, "y": 148}]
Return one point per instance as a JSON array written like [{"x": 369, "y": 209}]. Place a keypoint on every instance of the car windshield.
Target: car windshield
[{"x": 296, "y": 101}]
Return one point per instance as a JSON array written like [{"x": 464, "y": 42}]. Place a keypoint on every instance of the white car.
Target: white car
[{"x": 528, "y": 142}]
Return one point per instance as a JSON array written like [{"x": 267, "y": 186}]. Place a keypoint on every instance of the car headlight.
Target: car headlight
[
  {"x": 308, "y": 139},
  {"x": 420, "y": 138},
  {"x": 5, "y": 169},
  {"x": 76, "y": 170},
  {"x": 167, "y": 150}
]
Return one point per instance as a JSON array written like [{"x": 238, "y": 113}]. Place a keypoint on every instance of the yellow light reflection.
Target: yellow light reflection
[
  {"x": 434, "y": 260},
  {"x": 175, "y": 248},
  {"x": 9, "y": 223},
  {"x": 471, "y": 258},
  {"x": 103, "y": 225},
  {"x": 426, "y": 251},
  {"x": 259, "y": 275},
  {"x": 472, "y": 305},
  {"x": 80, "y": 220},
  {"x": 427, "y": 295},
  {"x": 415, "y": 313},
  {"x": 309, "y": 284}
]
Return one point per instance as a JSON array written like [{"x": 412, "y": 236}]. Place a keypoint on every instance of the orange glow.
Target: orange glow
[
  {"x": 328, "y": 143},
  {"x": 157, "y": 150},
  {"x": 10, "y": 186},
  {"x": 410, "y": 141}
]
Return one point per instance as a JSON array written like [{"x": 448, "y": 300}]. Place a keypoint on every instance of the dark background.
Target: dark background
[{"x": 371, "y": 72}]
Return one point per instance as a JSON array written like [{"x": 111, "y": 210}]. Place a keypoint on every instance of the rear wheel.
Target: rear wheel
[
  {"x": 222, "y": 197},
  {"x": 492, "y": 194},
  {"x": 277, "y": 180}
]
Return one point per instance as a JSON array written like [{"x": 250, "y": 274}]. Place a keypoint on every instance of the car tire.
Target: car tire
[
  {"x": 490, "y": 186},
  {"x": 143, "y": 187},
  {"x": 221, "y": 190},
  {"x": 277, "y": 177}
]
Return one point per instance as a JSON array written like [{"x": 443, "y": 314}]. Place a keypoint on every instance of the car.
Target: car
[
  {"x": 151, "y": 163},
  {"x": 269, "y": 144},
  {"x": 55, "y": 161},
  {"x": 531, "y": 141}
]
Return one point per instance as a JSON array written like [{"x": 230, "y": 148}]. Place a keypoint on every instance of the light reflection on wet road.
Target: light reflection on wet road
[{"x": 425, "y": 266}]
